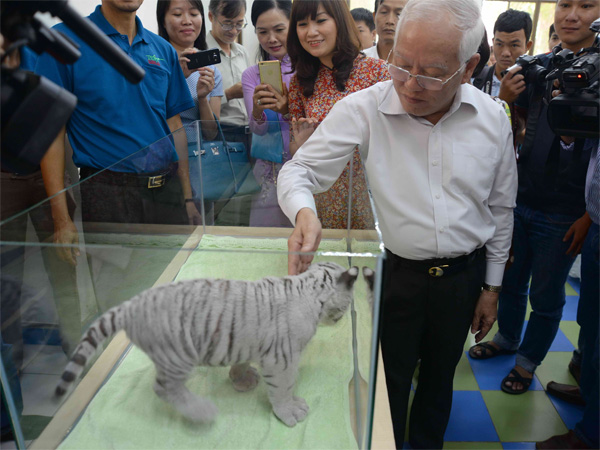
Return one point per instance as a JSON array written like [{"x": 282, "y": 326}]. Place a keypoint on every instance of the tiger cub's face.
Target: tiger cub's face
[{"x": 341, "y": 296}]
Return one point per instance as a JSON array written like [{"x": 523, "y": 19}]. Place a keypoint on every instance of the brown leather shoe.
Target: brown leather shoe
[
  {"x": 566, "y": 392},
  {"x": 563, "y": 441},
  {"x": 575, "y": 370}
]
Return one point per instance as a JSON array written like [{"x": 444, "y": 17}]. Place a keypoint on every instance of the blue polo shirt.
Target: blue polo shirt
[
  {"x": 28, "y": 59},
  {"x": 115, "y": 118}
]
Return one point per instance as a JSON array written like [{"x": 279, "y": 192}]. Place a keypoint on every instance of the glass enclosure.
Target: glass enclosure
[{"x": 194, "y": 205}]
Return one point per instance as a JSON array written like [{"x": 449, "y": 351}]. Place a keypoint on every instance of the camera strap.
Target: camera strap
[
  {"x": 533, "y": 116},
  {"x": 483, "y": 81}
]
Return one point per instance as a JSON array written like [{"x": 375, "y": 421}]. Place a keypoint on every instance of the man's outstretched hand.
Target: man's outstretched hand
[{"x": 305, "y": 238}]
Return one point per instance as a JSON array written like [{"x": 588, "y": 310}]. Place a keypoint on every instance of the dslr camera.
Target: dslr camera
[{"x": 532, "y": 70}]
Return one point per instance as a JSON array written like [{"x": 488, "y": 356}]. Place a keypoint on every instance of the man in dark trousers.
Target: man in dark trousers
[
  {"x": 551, "y": 221},
  {"x": 439, "y": 158}
]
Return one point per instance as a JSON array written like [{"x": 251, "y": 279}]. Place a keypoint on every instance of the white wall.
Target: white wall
[{"x": 147, "y": 14}]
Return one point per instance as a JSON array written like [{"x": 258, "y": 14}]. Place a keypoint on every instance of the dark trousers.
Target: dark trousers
[
  {"x": 17, "y": 194},
  {"x": 126, "y": 198},
  {"x": 427, "y": 318},
  {"x": 587, "y": 317}
]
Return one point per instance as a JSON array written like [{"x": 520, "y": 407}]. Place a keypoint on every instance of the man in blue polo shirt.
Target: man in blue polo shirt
[{"x": 113, "y": 120}]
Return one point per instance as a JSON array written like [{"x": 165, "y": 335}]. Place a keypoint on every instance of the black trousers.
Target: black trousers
[
  {"x": 126, "y": 198},
  {"x": 428, "y": 318}
]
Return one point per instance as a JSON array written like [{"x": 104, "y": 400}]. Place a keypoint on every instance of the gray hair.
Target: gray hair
[{"x": 464, "y": 15}]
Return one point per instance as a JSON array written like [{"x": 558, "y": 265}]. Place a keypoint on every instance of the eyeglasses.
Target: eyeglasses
[
  {"x": 429, "y": 83},
  {"x": 229, "y": 26}
]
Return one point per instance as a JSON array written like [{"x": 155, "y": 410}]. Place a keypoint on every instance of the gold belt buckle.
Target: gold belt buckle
[
  {"x": 156, "y": 181},
  {"x": 437, "y": 271}
]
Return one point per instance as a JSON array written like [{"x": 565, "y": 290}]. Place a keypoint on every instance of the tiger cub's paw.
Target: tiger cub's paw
[
  {"x": 198, "y": 410},
  {"x": 245, "y": 381},
  {"x": 293, "y": 412}
]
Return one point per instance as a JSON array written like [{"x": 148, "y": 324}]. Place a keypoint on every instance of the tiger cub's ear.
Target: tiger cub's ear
[
  {"x": 349, "y": 277},
  {"x": 369, "y": 276}
]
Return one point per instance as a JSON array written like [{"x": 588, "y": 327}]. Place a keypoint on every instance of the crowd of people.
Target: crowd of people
[{"x": 482, "y": 207}]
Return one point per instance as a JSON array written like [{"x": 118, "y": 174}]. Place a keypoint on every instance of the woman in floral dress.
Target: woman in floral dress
[{"x": 323, "y": 45}]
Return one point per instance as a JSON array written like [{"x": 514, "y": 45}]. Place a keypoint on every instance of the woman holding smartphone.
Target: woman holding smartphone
[
  {"x": 181, "y": 22},
  {"x": 324, "y": 48},
  {"x": 265, "y": 104}
]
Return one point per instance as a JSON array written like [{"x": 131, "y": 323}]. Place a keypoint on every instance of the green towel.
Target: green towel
[{"x": 127, "y": 414}]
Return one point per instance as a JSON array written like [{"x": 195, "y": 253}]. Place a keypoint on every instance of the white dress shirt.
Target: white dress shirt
[
  {"x": 440, "y": 191},
  {"x": 371, "y": 52},
  {"x": 231, "y": 67}
]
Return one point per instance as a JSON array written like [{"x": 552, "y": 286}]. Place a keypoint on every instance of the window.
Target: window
[{"x": 491, "y": 9}]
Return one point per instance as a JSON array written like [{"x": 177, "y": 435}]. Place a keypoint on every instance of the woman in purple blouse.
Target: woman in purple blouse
[{"x": 271, "y": 20}]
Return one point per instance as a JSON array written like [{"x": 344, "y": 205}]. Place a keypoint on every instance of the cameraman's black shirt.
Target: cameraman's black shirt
[{"x": 551, "y": 179}]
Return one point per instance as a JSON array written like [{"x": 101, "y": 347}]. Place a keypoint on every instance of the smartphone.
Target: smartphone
[
  {"x": 203, "y": 58},
  {"x": 270, "y": 73}
]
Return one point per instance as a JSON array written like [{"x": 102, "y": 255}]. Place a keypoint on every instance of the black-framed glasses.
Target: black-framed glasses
[
  {"x": 230, "y": 26},
  {"x": 429, "y": 83}
]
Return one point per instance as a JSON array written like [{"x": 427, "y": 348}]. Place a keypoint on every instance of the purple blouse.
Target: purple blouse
[
  {"x": 251, "y": 79},
  {"x": 265, "y": 210}
]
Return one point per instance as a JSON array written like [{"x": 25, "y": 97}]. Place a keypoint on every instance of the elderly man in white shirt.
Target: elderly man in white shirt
[{"x": 440, "y": 163}]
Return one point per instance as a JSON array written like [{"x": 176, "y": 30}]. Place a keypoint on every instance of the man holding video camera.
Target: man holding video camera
[{"x": 551, "y": 221}]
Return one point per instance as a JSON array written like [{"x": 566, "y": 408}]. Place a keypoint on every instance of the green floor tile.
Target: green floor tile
[
  {"x": 569, "y": 290},
  {"x": 526, "y": 417},
  {"x": 471, "y": 337},
  {"x": 464, "y": 380},
  {"x": 411, "y": 397},
  {"x": 472, "y": 445},
  {"x": 555, "y": 368},
  {"x": 571, "y": 330}
]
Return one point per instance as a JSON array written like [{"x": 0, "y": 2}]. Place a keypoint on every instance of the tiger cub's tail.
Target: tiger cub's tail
[{"x": 101, "y": 329}]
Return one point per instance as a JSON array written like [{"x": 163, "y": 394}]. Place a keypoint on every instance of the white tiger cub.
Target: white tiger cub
[{"x": 217, "y": 322}]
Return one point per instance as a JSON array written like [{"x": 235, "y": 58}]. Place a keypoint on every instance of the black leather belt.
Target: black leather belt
[
  {"x": 438, "y": 267},
  {"x": 148, "y": 180}
]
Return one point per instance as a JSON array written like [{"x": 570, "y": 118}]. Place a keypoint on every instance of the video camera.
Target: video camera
[
  {"x": 34, "y": 109},
  {"x": 576, "y": 111}
]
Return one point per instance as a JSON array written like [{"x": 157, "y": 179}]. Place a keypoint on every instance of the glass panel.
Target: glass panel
[{"x": 53, "y": 289}]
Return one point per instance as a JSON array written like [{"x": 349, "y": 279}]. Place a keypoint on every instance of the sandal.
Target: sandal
[
  {"x": 489, "y": 351},
  {"x": 516, "y": 377}
]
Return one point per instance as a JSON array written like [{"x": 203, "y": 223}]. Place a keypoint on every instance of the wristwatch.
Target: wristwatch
[{"x": 489, "y": 287}]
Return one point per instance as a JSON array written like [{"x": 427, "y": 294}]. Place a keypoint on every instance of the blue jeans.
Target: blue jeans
[
  {"x": 587, "y": 317},
  {"x": 539, "y": 255}
]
